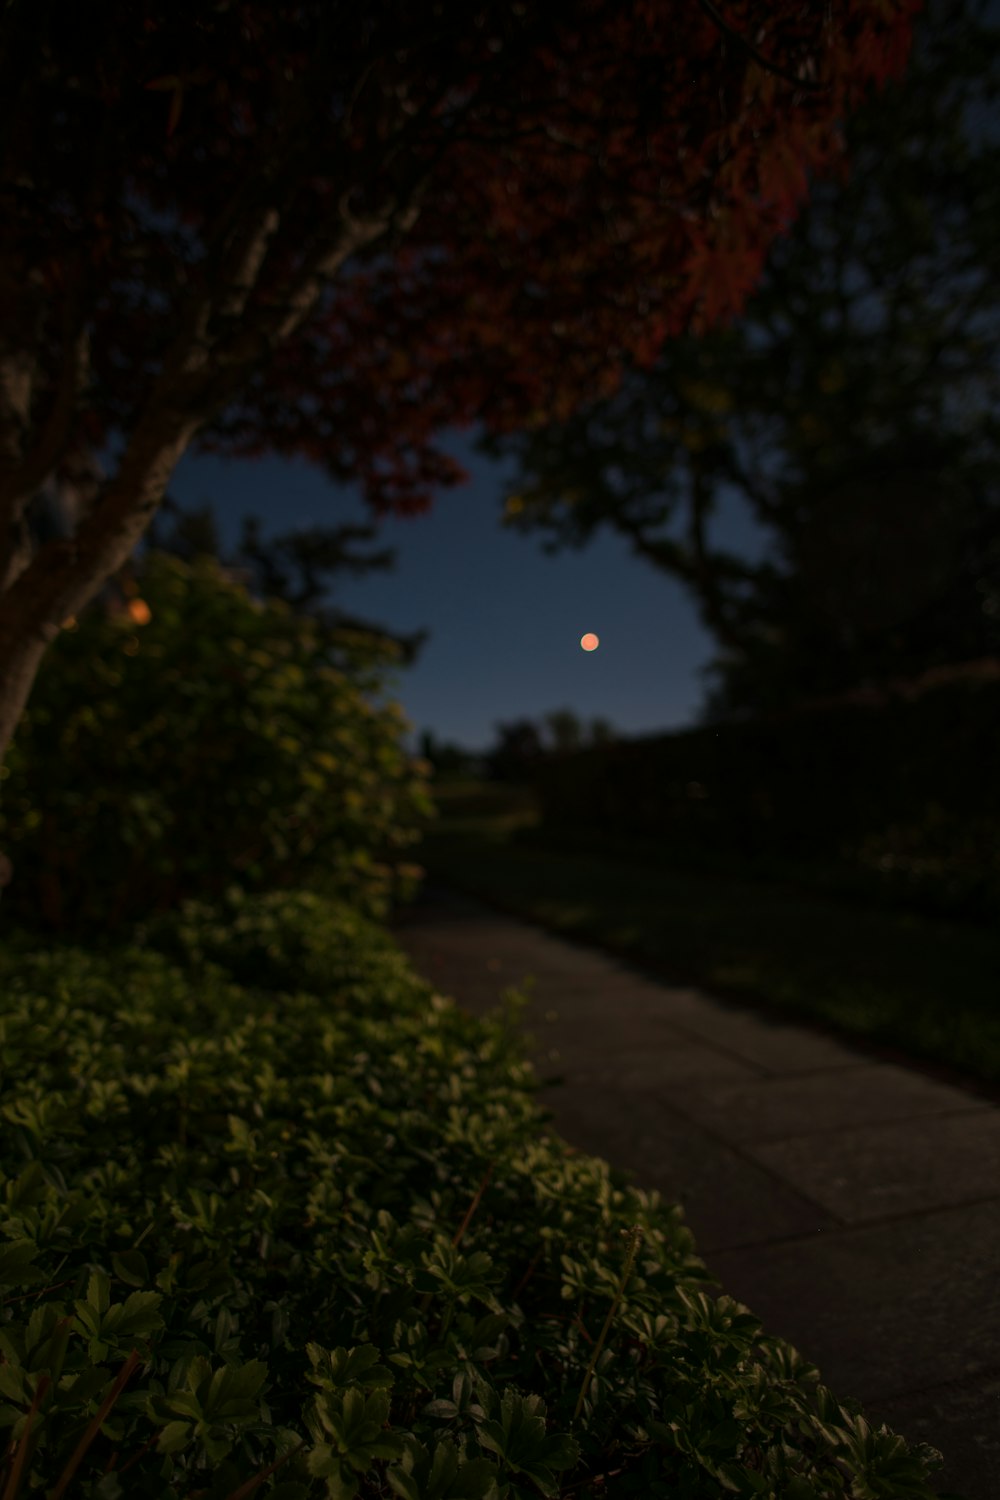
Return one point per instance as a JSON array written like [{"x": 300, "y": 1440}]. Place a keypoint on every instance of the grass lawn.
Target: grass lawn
[{"x": 927, "y": 987}]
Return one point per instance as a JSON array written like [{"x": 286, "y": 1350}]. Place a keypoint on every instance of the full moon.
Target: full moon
[{"x": 589, "y": 642}]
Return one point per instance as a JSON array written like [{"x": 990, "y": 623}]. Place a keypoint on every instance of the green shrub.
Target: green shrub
[
  {"x": 222, "y": 741},
  {"x": 324, "y": 1238}
]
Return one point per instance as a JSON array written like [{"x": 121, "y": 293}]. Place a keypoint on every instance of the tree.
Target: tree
[
  {"x": 516, "y": 751},
  {"x": 336, "y": 229},
  {"x": 565, "y": 729},
  {"x": 449, "y": 759},
  {"x": 602, "y": 732},
  {"x": 851, "y": 408},
  {"x": 289, "y": 567},
  {"x": 521, "y": 745}
]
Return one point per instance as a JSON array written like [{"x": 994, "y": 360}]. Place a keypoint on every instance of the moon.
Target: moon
[{"x": 589, "y": 642}]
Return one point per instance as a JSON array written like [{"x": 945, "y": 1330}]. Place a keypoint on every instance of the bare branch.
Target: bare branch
[
  {"x": 25, "y": 471},
  {"x": 65, "y": 575},
  {"x": 239, "y": 277},
  {"x": 758, "y": 57},
  {"x": 288, "y": 307},
  {"x": 22, "y": 295},
  {"x": 71, "y": 383}
]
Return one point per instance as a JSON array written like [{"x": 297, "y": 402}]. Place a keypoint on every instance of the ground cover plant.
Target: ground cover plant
[
  {"x": 913, "y": 982},
  {"x": 279, "y": 1219}
]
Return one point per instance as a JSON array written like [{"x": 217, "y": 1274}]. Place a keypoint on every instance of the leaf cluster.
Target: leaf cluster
[{"x": 308, "y": 1234}]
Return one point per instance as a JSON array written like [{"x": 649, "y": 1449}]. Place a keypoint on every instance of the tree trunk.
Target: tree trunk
[{"x": 21, "y": 652}]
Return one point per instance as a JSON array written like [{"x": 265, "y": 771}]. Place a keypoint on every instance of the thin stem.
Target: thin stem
[
  {"x": 473, "y": 1205},
  {"x": 636, "y": 1236},
  {"x": 476, "y": 1200},
  {"x": 21, "y": 1452},
  {"x": 251, "y": 1484},
  {"x": 126, "y": 1371}
]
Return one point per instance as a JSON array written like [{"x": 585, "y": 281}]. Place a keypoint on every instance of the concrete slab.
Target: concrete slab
[
  {"x": 659, "y": 1067},
  {"x": 772, "y": 1108},
  {"x": 905, "y": 1167},
  {"x": 775, "y": 1046},
  {"x": 969, "y": 1413},
  {"x": 601, "y": 1006},
  {"x": 902, "y": 1306},
  {"x": 727, "y": 1200},
  {"x": 507, "y": 948}
]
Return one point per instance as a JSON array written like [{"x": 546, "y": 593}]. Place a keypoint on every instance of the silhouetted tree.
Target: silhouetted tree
[
  {"x": 448, "y": 758},
  {"x": 852, "y": 408},
  {"x": 296, "y": 566},
  {"x": 517, "y": 749},
  {"x": 602, "y": 732},
  {"x": 565, "y": 728}
]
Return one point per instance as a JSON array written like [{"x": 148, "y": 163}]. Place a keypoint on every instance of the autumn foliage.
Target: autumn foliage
[{"x": 336, "y": 230}]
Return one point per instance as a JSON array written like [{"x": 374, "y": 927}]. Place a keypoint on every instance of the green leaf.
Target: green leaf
[
  {"x": 342, "y": 1367},
  {"x": 174, "y": 1436},
  {"x": 231, "y": 1391},
  {"x": 139, "y": 1315},
  {"x": 130, "y": 1266},
  {"x": 445, "y": 1477},
  {"x": 403, "y": 1484},
  {"x": 15, "y": 1263},
  {"x": 99, "y": 1292},
  {"x": 520, "y": 1439}
]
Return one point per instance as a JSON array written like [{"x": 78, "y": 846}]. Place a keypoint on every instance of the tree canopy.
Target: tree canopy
[
  {"x": 336, "y": 230},
  {"x": 851, "y": 409}
]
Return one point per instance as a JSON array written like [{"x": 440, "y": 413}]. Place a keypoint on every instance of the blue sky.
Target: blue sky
[{"x": 504, "y": 619}]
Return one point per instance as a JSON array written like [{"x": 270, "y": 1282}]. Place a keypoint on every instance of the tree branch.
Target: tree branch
[
  {"x": 64, "y": 575},
  {"x": 758, "y": 57},
  {"x": 25, "y": 472}
]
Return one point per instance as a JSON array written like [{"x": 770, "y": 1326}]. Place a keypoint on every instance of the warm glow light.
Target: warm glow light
[
  {"x": 589, "y": 642},
  {"x": 140, "y": 612}
]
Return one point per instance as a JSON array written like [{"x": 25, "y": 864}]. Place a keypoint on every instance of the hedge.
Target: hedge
[
  {"x": 908, "y": 793},
  {"x": 279, "y": 1219}
]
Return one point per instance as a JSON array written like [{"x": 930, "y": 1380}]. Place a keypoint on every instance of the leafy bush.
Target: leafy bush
[
  {"x": 220, "y": 741},
  {"x": 322, "y": 1238}
]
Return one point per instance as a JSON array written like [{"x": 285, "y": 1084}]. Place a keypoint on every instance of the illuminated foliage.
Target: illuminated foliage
[{"x": 223, "y": 742}]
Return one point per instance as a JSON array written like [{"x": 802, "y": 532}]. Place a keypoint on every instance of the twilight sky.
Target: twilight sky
[{"x": 505, "y": 620}]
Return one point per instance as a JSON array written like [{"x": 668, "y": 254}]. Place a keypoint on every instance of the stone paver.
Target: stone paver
[
  {"x": 852, "y": 1204},
  {"x": 727, "y": 1200},
  {"x": 661, "y": 1066},
  {"x": 774, "y": 1108},
  {"x": 773, "y": 1045},
  {"x": 882, "y": 1309},
  {"x": 901, "y": 1168},
  {"x": 968, "y": 1407}
]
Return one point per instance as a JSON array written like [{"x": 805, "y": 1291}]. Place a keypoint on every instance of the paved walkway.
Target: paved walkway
[{"x": 853, "y": 1204}]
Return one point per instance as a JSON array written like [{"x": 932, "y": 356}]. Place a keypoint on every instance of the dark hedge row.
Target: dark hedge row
[{"x": 908, "y": 794}]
